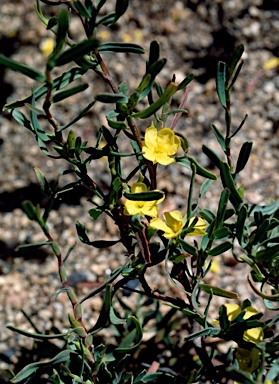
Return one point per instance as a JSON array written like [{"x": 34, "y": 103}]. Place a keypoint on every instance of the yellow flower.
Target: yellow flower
[
  {"x": 174, "y": 224},
  {"x": 252, "y": 335},
  {"x": 158, "y": 147},
  {"x": 271, "y": 63},
  {"x": 145, "y": 208},
  {"x": 248, "y": 361},
  {"x": 47, "y": 46}
]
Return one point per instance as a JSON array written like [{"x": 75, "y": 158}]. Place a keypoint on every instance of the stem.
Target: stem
[
  {"x": 106, "y": 73},
  {"x": 151, "y": 167},
  {"x": 228, "y": 120}
]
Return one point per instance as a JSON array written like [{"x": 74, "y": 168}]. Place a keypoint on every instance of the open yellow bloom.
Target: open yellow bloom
[
  {"x": 145, "y": 208},
  {"x": 252, "y": 335},
  {"x": 173, "y": 225},
  {"x": 248, "y": 361},
  {"x": 158, "y": 147}
]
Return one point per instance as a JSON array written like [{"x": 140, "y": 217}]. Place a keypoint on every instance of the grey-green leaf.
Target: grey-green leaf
[
  {"x": 22, "y": 68},
  {"x": 144, "y": 196},
  {"x": 120, "y": 47},
  {"x": 76, "y": 51},
  {"x": 221, "y": 83}
]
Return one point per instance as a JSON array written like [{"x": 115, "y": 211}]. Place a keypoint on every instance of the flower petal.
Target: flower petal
[
  {"x": 163, "y": 159},
  {"x": 150, "y": 137},
  {"x": 254, "y": 335},
  {"x": 233, "y": 310},
  {"x": 160, "y": 225},
  {"x": 149, "y": 154},
  {"x": 250, "y": 311},
  {"x": 199, "y": 227},
  {"x": 138, "y": 187}
]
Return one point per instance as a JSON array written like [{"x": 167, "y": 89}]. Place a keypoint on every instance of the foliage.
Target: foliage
[{"x": 133, "y": 202}]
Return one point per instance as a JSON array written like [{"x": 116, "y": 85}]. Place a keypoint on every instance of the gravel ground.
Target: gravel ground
[{"x": 194, "y": 35}]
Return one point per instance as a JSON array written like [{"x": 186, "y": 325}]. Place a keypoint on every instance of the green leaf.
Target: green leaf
[
  {"x": 35, "y": 124},
  {"x": 30, "y": 369},
  {"x": 111, "y": 98},
  {"x": 95, "y": 213},
  {"x": 188, "y": 161},
  {"x": 243, "y": 156},
  {"x": 223, "y": 318},
  {"x": 266, "y": 210},
  {"x": 63, "y": 25},
  {"x": 115, "y": 319},
  {"x": 120, "y": 47},
  {"x": 214, "y": 158},
  {"x": 81, "y": 8},
  {"x": 154, "y": 53},
  {"x": 23, "y": 69},
  {"x": 240, "y": 223},
  {"x": 219, "y": 137},
  {"x": 27, "y": 247},
  {"x": 45, "y": 187},
  {"x": 228, "y": 182},
  {"x": 39, "y": 336},
  {"x": 22, "y": 119},
  {"x": 236, "y": 56},
  {"x": 120, "y": 8},
  {"x": 79, "y": 116},
  {"x": 268, "y": 254},
  {"x": 134, "y": 338},
  {"x": 218, "y": 291},
  {"x": 167, "y": 94},
  {"x": 82, "y": 233},
  {"x": 103, "y": 319},
  {"x": 76, "y": 51},
  {"x": 186, "y": 81},
  {"x": 221, "y": 248},
  {"x": 69, "y": 92},
  {"x": 52, "y": 22},
  {"x": 239, "y": 128},
  {"x": 103, "y": 243},
  {"x": 221, "y": 83},
  {"x": 188, "y": 248},
  {"x": 144, "y": 196},
  {"x": 58, "y": 83},
  {"x": 202, "y": 333},
  {"x": 221, "y": 233},
  {"x": 29, "y": 209},
  {"x": 204, "y": 187},
  {"x": 237, "y": 375},
  {"x": 117, "y": 125}
]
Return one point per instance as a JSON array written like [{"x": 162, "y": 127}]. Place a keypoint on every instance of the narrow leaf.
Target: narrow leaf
[
  {"x": 120, "y": 47},
  {"x": 243, "y": 157},
  {"x": 219, "y": 137},
  {"x": 219, "y": 249},
  {"x": 103, "y": 243},
  {"x": 236, "y": 56},
  {"x": 188, "y": 248},
  {"x": 228, "y": 182},
  {"x": 221, "y": 83},
  {"x": 38, "y": 336},
  {"x": 144, "y": 196},
  {"x": 69, "y": 92},
  {"x": 58, "y": 83},
  {"x": 214, "y": 158},
  {"x": 111, "y": 98},
  {"x": 167, "y": 94},
  {"x": 218, "y": 291},
  {"x": 22, "y": 68},
  {"x": 186, "y": 81},
  {"x": 187, "y": 161},
  {"x": 30, "y": 369},
  {"x": 76, "y": 51}
]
